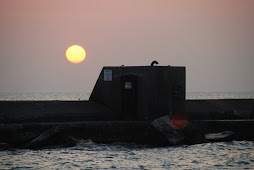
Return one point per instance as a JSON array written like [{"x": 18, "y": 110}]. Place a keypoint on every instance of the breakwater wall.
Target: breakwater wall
[
  {"x": 34, "y": 124},
  {"x": 39, "y": 135},
  {"x": 220, "y": 109},
  {"x": 71, "y": 111}
]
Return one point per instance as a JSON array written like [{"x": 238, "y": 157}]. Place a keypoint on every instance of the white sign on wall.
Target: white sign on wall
[
  {"x": 127, "y": 85},
  {"x": 107, "y": 75}
]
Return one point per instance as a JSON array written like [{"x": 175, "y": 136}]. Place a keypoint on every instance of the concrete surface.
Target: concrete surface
[
  {"x": 53, "y": 111},
  {"x": 23, "y": 121}
]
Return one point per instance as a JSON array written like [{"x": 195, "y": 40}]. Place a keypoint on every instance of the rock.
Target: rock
[
  {"x": 49, "y": 137},
  {"x": 70, "y": 142},
  {"x": 193, "y": 135},
  {"x": 225, "y": 136},
  {"x": 5, "y": 146},
  {"x": 163, "y": 132}
]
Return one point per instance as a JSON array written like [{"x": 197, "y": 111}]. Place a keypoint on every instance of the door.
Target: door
[{"x": 129, "y": 97}]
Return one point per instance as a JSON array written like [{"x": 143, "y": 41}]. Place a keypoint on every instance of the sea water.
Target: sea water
[
  {"x": 89, "y": 155},
  {"x": 85, "y": 96}
]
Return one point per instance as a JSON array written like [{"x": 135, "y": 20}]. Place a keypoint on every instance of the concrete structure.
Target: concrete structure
[
  {"x": 141, "y": 92},
  {"x": 53, "y": 111},
  {"x": 124, "y": 102}
]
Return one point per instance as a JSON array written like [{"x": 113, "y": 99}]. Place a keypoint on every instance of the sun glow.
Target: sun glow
[{"x": 75, "y": 54}]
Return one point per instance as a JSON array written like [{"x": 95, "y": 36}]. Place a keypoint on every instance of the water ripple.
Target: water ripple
[{"x": 88, "y": 155}]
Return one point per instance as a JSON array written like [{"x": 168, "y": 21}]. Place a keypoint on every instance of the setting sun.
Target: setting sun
[{"x": 75, "y": 54}]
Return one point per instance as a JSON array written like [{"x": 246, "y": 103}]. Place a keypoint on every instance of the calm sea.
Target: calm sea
[
  {"x": 85, "y": 96},
  {"x": 89, "y": 155}
]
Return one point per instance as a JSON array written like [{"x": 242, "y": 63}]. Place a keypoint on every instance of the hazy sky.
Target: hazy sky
[{"x": 213, "y": 39}]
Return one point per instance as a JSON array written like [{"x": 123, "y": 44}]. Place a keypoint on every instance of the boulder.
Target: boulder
[
  {"x": 69, "y": 142},
  {"x": 163, "y": 132},
  {"x": 225, "y": 136},
  {"x": 51, "y": 136},
  {"x": 193, "y": 135},
  {"x": 5, "y": 146}
]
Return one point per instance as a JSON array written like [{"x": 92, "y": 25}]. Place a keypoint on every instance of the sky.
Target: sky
[{"x": 213, "y": 39}]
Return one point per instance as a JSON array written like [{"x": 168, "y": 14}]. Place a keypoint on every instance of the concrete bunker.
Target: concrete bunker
[{"x": 141, "y": 92}]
